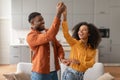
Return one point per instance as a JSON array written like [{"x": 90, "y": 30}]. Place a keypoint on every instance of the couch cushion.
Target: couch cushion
[
  {"x": 17, "y": 76},
  {"x": 94, "y": 72},
  {"x": 9, "y": 76},
  {"x": 106, "y": 76},
  {"x": 24, "y": 67},
  {"x": 22, "y": 76}
]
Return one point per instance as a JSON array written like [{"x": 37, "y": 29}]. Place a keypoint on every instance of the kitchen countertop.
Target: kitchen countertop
[
  {"x": 18, "y": 44},
  {"x": 65, "y": 47}
]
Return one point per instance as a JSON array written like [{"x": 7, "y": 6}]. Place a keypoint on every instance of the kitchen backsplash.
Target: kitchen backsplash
[{"x": 19, "y": 36}]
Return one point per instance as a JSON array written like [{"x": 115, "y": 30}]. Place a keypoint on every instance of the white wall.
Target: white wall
[
  {"x": 5, "y": 9},
  {"x": 5, "y": 25},
  {"x": 4, "y": 40}
]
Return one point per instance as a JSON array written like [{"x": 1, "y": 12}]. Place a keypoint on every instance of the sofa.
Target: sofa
[{"x": 91, "y": 74}]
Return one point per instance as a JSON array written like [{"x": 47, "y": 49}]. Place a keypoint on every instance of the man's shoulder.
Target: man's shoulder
[{"x": 32, "y": 32}]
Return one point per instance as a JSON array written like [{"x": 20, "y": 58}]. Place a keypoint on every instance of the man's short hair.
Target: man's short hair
[{"x": 33, "y": 15}]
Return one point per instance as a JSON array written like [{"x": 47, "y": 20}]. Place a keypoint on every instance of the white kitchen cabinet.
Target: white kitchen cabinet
[
  {"x": 84, "y": 9},
  {"x": 82, "y": 18},
  {"x": 115, "y": 54},
  {"x": 19, "y": 54},
  {"x": 25, "y": 54},
  {"x": 47, "y": 6},
  {"x": 107, "y": 16},
  {"x": 20, "y": 12},
  {"x": 101, "y": 6},
  {"x": 29, "y": 6},
  {"x": 16, "y": 14},
  {"x": 115, "y": 23},
  {"x": 104, "y": 50},
  {"x": 16, "y": 7},
  {"x": 14, "y": 54},
  {"x": 83, "y": 6},
  {"x": 101, "y": 20},
  {"x": 104, "y": 57},
  {"x": 114, "y": 36}
]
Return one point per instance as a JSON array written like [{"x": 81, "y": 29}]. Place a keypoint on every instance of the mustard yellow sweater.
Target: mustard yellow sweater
[{"x": 86, "y": 56}]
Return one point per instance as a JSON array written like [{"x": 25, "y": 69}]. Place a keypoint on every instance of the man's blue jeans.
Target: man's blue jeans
[
  {"x": 70, "y": 74},
  {"x": 38, "y": 76}
]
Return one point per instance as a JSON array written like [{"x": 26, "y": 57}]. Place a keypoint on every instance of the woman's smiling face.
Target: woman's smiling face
[{"x": 83, "y": 32}]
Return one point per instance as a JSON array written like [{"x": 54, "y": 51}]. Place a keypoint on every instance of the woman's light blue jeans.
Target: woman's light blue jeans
[
  {"x": 70, "y": 74},
  {"x": 51, "y": 76}
]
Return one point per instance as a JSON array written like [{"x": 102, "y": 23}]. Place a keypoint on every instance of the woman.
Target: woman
[{"x": 83, "y": 43}]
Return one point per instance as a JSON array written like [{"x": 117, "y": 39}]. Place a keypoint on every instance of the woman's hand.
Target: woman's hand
[
  {"x": 74, "y": 61},
  {"x": 65, "y": 14}
]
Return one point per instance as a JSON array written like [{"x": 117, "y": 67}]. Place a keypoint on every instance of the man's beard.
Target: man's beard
[{"x": 40, "y": 29}]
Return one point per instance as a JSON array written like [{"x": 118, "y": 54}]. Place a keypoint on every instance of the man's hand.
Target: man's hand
[
  {"x": 60, "y": 9},
  {"x": 66, "y": 61}
]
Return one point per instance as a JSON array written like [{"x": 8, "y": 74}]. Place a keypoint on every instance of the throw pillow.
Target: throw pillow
[
  {"x": 106, "y": 76},
  {"x": 21, "y": 76},
  {"x": 9, "y": 76},
  {"x": 17, "y": 76}
]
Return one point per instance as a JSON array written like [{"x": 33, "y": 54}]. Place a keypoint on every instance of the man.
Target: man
[{"x": 46, "y": 49}]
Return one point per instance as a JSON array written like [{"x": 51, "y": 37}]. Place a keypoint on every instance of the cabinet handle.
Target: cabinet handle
[
  {"x": 110, "y": 45},
  {"x": 101, "y": 55},
  {"x": 27, "y": 46},
  {"x": 15, "y": 56},
  {"x": 15, "y": 47}
]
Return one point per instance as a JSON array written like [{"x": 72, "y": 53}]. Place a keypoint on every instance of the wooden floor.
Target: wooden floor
[
  {"x": 114, "y": 71},
  {"x": 6, "y": 69}
]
